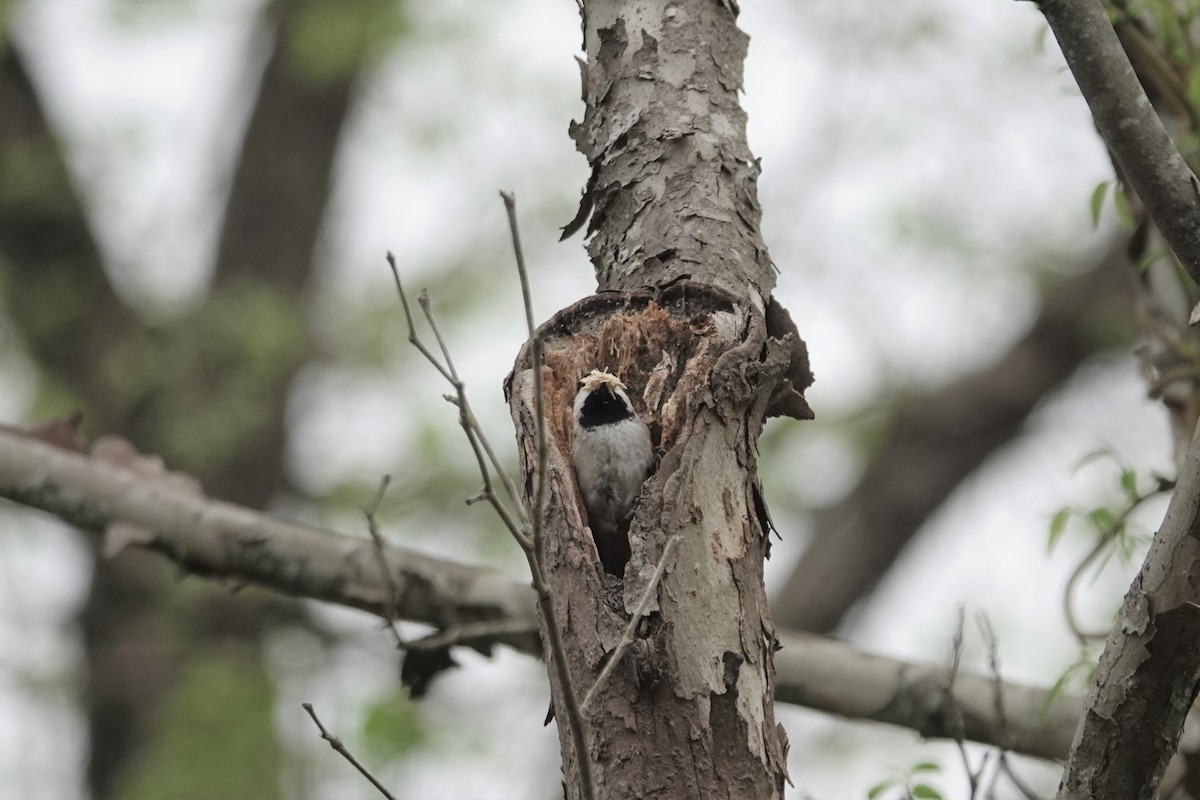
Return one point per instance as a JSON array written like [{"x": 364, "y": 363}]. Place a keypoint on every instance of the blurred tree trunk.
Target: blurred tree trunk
[
  {"x": 673, "y": 206},
  {"x": 938, "y": 440},
  {"x": 209, "y": 392}
]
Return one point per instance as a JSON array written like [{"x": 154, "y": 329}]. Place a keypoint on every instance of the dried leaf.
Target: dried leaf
[{"x": 62, "y": 433}]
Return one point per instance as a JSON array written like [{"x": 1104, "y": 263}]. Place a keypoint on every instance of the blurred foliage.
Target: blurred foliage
[
  {"x": 393, "y": 726},
  {"x": 325, "y": 40},
  {"x": 909, "y": 784},
  {"x": 203, "y": 388},
  {"x": 215, "y": 736},
  {"x": 25, "y": 163}
]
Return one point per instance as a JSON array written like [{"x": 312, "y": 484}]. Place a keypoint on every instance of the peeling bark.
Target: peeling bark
[
  {"x": 690, "y": 712},
  {"x": 685, "y": 319}
]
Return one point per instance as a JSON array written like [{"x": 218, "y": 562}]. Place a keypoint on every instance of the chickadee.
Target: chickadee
[{"x": 613, "y": 456}]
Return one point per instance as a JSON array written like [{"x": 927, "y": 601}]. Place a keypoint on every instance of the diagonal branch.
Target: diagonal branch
[
  {"x": 1127, "y": 122},
  {"x": 1146, "y": 679}
]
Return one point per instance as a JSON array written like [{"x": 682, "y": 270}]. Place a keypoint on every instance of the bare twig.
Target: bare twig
[
  {"x": 466, "y": 418},
  {"x": 535, "y": 557},
  {"x": 337, "y": 745},
  {"x": 535, "y": 357},
  {"x": 954, "y": 713},
  {"x": 631, "y": 628},
  {"x": 469, "y": 632},
  {"x": 386, "y": 571},
  {"x": 1003, "y": 767},
  {"x": 526, "y": 526}
]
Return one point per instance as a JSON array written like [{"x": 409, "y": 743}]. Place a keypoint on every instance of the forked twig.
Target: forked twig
[
  {"x": 337, "y": 745},
  {"x": 638, "y": 613},
  {"x": 526, "y": 526},
  {"x": 388, "y": 579},
  {"x": 1002, "y": 764},
  {"x": 954, "y": 713},
  {"x": 466, "y": 418}
]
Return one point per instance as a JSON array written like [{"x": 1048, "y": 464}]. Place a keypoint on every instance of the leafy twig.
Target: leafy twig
[
  {"x": 1108, "y": 533},
  {"x": 337, "y": 745}
]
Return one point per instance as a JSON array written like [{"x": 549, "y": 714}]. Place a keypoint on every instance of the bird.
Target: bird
[{"x": 613, "y": 456}]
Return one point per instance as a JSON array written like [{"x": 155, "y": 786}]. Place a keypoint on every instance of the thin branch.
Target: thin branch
[
  {"x": 393, "y": 590},
  {"x": 1158, "y": 72},
  {"x": 536, "y": 557},
  {"x": 1003, "y": 767},
  {"x": 468, "y": 415},
  {"x": 337, "y": 745},
  {"x": 1128, "y": 124},
  {"x": 470, "y": 632},
  {"x": 631, "y": 628},
  {"x": 954, "y": 713},
  {"x": 1106, "y": 537},
  {"x": 466, "y": 418},
  {"x": 539, "y": 397},
  {"x": 413, "y": 339}
]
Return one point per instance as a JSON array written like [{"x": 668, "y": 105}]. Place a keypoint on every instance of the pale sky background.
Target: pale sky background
[{"x": 922, "y": 159}]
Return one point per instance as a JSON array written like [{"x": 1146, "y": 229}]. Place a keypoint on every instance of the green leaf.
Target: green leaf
[
  {"x": 1104, "y": 520},
  {"x": 1039, "y": 39},
  {"x": 1129, "y": 484},
  {"x": 1121, "y": 204},
  {"x": 1097, "y": 202},
  {"x": 879, "y": 788},
  {"x": 926, "y": 766},
  {"x": 393, "y": 726},
  {"x": 1058, "y": 524},
  {"x": 1148, "y": 258},
  {"x": 925, "y": 792},
  {"x": 1095, "y": 455},
  {"x": 1193, "y": 87},
  {"x": 1055, "y": 690}
]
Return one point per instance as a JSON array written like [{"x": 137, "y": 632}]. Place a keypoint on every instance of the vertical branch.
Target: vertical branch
[
  {"x": 537, "y": 556},
  {"x": 380, "y": 552},
  {"x": 526, "y": 537},
  {"x": 539, "y": 396}
]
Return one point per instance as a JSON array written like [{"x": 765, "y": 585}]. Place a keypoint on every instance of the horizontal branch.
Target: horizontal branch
[
  {"x": 219, "y": 540},
  {"x": 834, "y": 677}
]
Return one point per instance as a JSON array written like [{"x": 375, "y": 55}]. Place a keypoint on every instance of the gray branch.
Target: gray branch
[
  {"x": 219, "y": 540},
  {"x": 1128, "y": 123}
]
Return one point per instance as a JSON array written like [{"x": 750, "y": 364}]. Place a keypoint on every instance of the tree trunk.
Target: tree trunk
[{"x": 685, "y": 319}]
